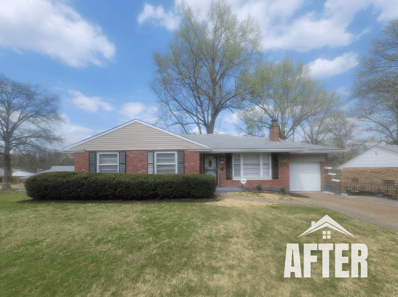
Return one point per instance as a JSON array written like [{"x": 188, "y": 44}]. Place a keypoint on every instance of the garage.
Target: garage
[{"x": 304, "y": 176}]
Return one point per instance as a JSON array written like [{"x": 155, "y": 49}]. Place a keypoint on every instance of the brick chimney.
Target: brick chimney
[{"x": 274, "y": 131}]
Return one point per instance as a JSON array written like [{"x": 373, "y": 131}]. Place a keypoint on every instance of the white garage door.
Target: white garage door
[{"x": 305, "y": 176}]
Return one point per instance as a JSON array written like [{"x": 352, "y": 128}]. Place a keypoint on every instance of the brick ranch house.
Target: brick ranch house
[
  {"x": 377, "y": 165},
  {"x": 140, "y": 148}
]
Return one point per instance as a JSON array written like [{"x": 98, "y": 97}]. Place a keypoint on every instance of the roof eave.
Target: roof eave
[
  {"x": 72, "y": 151},
  {"x": 247, "y": 150}
]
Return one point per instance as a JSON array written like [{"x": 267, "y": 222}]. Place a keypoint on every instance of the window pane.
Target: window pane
[
  {"x": 165, "y": 169},
  {"x": 266, "y": 159},
  {"x": 162, "y": 158},
  {"x": 251, "y": 165},
  {"x": 108, "y": 168},
  {"x": 266, "y": 173},
  {"x": 107, "y": 159},
  {"x": 236, "y": 161},
  {"x": 237, "y": 170}
]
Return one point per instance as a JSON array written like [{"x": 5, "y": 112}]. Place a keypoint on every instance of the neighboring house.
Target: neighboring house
[
  {"x": 377, "y": 165},
  {"x": 53, "y": 169},
  {"x": 18, "y": 174},
  {"x": 140, "y": 148}
]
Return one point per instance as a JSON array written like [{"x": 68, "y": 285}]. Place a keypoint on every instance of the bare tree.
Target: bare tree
[
  {"x": 316, "y": 128},
  {"x": 341, "y": 129},
  {"x": 346, "y": 133},
  {"x": 375, "y": 88},
  {"x": 28, "y": 116},
  {"x": 283, "y": 91},
  {"x": 41, "y": 160},
  {"x": 198, "y": 78}
]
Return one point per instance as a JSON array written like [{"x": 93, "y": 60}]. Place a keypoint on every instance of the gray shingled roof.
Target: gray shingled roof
[
  {"x": 53, "y": 169},
  {"x": 230, "y": 143},
  {"x": 393, "y": 148}
]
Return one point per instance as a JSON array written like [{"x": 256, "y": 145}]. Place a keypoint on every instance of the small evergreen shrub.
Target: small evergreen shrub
[
  {"x": 118, "y": 186},
  {"x": 282, "y": 190},
  {"x": 11, "y": 179},
  {"x": 259, "y": 187}
]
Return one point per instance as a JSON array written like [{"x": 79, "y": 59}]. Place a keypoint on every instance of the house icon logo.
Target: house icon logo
[
  {"x": 326, "y": 221},
  {"x": 357, "y": 258}
]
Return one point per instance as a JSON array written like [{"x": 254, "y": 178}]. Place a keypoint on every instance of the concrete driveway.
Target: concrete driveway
[{"x": 379, "y": 211}]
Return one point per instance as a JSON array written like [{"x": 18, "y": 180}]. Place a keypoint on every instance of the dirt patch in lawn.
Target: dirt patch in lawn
[
  {"x": 274, "y": 193},
  {"x": 240, "y": 203},
  {"x": 268, "y": 196}
]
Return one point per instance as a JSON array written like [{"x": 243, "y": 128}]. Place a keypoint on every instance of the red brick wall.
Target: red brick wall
[
  {"x": 192, "y": 162},
  {"x": 136, "y": 162},
  {"x": 81, "y": 162},
  {"x": 282, "y": 181},
  {"x": 325, "y": 178}
]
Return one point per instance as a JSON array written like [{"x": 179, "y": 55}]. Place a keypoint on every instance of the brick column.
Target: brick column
[
  {"x": 136, "y": 162},
  {"x": 192, "y": 162},
  {"x": 82, "y": 162}
]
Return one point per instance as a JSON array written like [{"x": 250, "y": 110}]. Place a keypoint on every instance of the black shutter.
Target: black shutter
[
  {"x": 228, "y": 162},
  {"x": 122, "y": 162},
  {"x": 180, "y": 167},
  {"x": 93, "y": 162},
  {"x": 150, "y": 165},
  {"x": 275, "y": 165}
]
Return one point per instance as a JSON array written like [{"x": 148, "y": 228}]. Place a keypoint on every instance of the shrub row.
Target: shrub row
[{"x": 118, "y": 186}]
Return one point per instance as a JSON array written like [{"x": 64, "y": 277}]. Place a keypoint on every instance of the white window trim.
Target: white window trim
[
  {"x": 261, "y": 168},
  {"x": 155, "y": 161},
  {"x": 106, "y": 153}
]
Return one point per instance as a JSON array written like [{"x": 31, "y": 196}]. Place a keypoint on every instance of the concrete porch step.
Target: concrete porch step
[{"x": 228, "y": 189}]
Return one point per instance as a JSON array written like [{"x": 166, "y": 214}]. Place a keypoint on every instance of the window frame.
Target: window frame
[
  {"x": 107, "y": 153},
  {"x": 261, "y": 177},
  {"x": 155, "y": 161}
]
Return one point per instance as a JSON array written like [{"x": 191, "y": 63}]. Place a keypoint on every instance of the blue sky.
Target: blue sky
[{"x": 97, "y": 55}]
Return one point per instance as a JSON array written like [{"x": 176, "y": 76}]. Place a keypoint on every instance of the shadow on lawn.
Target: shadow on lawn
[{"x": 31, "y": 201}]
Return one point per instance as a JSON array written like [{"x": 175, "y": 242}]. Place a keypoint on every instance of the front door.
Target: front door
[{"x": 211, "y": 165}]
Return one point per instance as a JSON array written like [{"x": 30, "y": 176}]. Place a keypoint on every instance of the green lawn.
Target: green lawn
[{"x": 176, "y": 249}]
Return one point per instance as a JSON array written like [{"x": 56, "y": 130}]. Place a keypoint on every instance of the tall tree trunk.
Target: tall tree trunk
[{"x": 7, "y": 167}]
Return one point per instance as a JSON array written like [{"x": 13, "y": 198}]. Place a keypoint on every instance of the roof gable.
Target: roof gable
[
  {"x": 135, "y": 135},
  {"x": 378, "y": 156}
]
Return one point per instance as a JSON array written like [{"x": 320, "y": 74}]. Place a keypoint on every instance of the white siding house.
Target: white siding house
[{"x": 376, "y": 157}]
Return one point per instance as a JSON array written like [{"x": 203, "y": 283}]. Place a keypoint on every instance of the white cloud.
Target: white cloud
[
  {"x": 343, "y": 91},
  {"x": 286, "y": 26},
  {"x": 137, "y": 110},
  {"x": 89, "y": 104},
  {"x": 323, "y": 68},
  {"x": 170, "y": 20},
  {"x": 72, "y": 132},
  {"x": 53, "y": 29},
  {"x": 232, "y": 118}
]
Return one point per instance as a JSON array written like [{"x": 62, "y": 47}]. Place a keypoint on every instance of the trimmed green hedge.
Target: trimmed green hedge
[{"x": 118, "y": 186}]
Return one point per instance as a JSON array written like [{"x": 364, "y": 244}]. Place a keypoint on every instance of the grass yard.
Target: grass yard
[{"x": 177, "y": 249}]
